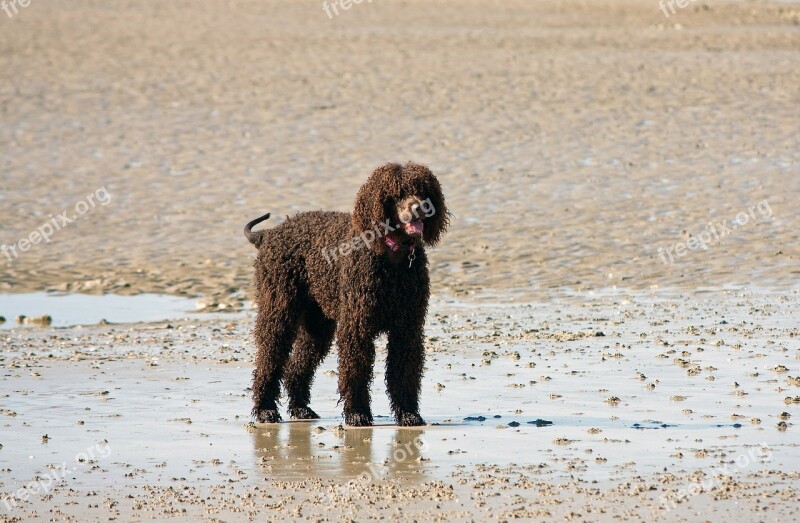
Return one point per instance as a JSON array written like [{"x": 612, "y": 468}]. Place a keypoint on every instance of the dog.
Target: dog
[{"x": 350, "y": 276}]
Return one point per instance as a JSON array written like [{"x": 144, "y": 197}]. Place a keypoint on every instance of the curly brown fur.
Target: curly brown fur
[{"x": 310, "y": 288}]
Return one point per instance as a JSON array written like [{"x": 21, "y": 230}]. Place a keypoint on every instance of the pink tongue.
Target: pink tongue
[{"x": 414, "y": 227}]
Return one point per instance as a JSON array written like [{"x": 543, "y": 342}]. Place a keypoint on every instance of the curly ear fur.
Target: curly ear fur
[
  {"x": 373, "y": 198},
  {"x": 424, "y": 184},
  {"x": 392, "y": 182}
]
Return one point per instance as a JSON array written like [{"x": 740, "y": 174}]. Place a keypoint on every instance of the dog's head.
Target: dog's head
[{"x": 407, "y": 198}]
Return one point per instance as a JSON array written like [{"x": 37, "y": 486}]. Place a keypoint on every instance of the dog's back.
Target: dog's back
[{"x": 305, "y": 251}]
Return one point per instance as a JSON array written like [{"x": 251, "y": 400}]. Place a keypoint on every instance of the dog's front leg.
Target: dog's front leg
[
  {"x": 404, "y": 363},
  {"x": 356, "y": 358}
]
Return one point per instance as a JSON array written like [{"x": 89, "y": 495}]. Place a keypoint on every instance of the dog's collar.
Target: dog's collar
[{"x": 395, "y": 246}]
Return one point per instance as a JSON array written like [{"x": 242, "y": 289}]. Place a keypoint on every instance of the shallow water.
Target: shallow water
[
  {"x": 68, "y": 310},
  {"x": 191, "y": 422}
]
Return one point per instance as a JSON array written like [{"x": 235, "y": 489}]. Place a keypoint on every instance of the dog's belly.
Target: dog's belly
[{"x": 327, "y": 301}]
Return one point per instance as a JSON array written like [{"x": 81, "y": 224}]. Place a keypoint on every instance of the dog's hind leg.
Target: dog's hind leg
[
  {"x": 276, "y": 327},
  {"x": 313, "y": 343}
]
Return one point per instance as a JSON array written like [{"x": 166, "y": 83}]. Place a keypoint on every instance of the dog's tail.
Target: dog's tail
[{"x": 255, "y": 237}]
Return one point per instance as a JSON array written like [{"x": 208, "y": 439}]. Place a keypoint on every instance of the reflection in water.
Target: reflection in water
[
  {"x": 407, "y": 453},
  {"x": 356, "y": 456},
  {"x": 298, "y": 450}
]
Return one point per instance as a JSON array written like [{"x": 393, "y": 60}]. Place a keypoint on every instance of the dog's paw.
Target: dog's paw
[
  {"x": 410, "y": 419},
  {"x": 267, "y": 416},
  {"x": 357, "y": 419},
  {"x": 302, "y": 413}
]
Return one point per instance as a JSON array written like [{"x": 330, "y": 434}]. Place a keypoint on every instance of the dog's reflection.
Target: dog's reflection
[{"x": 297, "y": 450}]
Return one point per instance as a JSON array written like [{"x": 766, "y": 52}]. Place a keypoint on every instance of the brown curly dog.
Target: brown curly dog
[{"x": 354, "y": 276}]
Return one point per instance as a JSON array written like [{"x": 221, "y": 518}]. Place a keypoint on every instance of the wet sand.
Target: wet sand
[
  {"x": 579, "y": 367},
  {"x": 572, "y": 139},
  {"x": 639, "y": 411}
]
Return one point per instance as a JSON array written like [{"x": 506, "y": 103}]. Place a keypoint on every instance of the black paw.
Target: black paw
[
  {"x": 410, "y": 419},
  {"x": 267, "y": 415},
  {"x": 357, "y": 419},
  {"x": 302, "y": 413}
]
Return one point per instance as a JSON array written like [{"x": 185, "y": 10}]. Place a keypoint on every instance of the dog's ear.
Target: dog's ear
[
  {"x": 373, "y": 198},
  {"x": 435, "y": 224}
]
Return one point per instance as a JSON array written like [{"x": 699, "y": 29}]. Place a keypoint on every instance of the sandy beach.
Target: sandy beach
[
  {"x": 583, "y": 409},
  {"x": 613, "y": 329}
]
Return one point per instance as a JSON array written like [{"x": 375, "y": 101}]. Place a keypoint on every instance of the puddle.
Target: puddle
[
  {"x": 67, "y": 310},
  {"x": 201, "y": 432}
]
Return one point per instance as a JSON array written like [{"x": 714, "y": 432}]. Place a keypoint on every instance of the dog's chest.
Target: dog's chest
[{"x": 399, "y": 291}]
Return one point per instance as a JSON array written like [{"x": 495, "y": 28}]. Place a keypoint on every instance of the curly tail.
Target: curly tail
[{"x": 255, "y": 237}]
